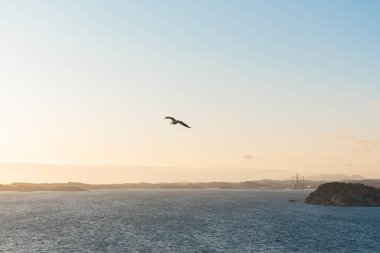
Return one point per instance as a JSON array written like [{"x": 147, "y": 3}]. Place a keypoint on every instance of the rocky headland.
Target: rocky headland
[{"x": 345, "y": 194}]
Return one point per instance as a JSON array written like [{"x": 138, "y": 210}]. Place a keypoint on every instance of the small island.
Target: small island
[{"x": 345, "y": 194}]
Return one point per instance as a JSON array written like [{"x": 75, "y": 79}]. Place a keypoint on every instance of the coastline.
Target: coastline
[{"x": 79, "y": 187}]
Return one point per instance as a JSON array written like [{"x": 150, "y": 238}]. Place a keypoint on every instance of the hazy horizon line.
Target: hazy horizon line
[
  {"x": 107, "y": 173},
  {"x": 183, "y": 182}
]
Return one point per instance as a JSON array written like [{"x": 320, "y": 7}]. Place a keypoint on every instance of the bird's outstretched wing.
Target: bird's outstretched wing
[
  {"x": 171, "y": 118},
  {"x": 183, "y": 124}
]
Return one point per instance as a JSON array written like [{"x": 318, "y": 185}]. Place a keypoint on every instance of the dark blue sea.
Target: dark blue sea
[{"x": 182, "y": 221}]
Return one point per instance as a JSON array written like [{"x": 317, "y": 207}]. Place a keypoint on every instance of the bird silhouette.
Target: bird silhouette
[{"x": 175, "y": 121}]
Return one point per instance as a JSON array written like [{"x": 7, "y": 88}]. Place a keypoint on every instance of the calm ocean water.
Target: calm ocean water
[{"x": 182, "y": 221}]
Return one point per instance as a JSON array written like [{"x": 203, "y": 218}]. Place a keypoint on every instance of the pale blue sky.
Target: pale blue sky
[{"x": 282, "y": 81}]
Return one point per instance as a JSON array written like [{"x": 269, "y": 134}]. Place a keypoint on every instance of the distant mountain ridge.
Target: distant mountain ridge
[
  {"x": 258, "y": 184},
  {"x": 334, "y": 177}
]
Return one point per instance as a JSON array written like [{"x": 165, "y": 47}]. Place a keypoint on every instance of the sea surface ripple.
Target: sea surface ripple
[{"x": 182, "y": 221}]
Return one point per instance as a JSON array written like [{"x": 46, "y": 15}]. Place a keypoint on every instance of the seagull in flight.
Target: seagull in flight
[{"x": 174, "y": 122}]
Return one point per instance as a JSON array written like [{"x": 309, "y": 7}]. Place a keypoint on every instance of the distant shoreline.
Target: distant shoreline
[{"x": 259, "y": 184}]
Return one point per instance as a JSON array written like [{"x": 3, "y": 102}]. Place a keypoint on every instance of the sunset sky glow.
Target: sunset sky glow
[{"x": 267, "y": 86}]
